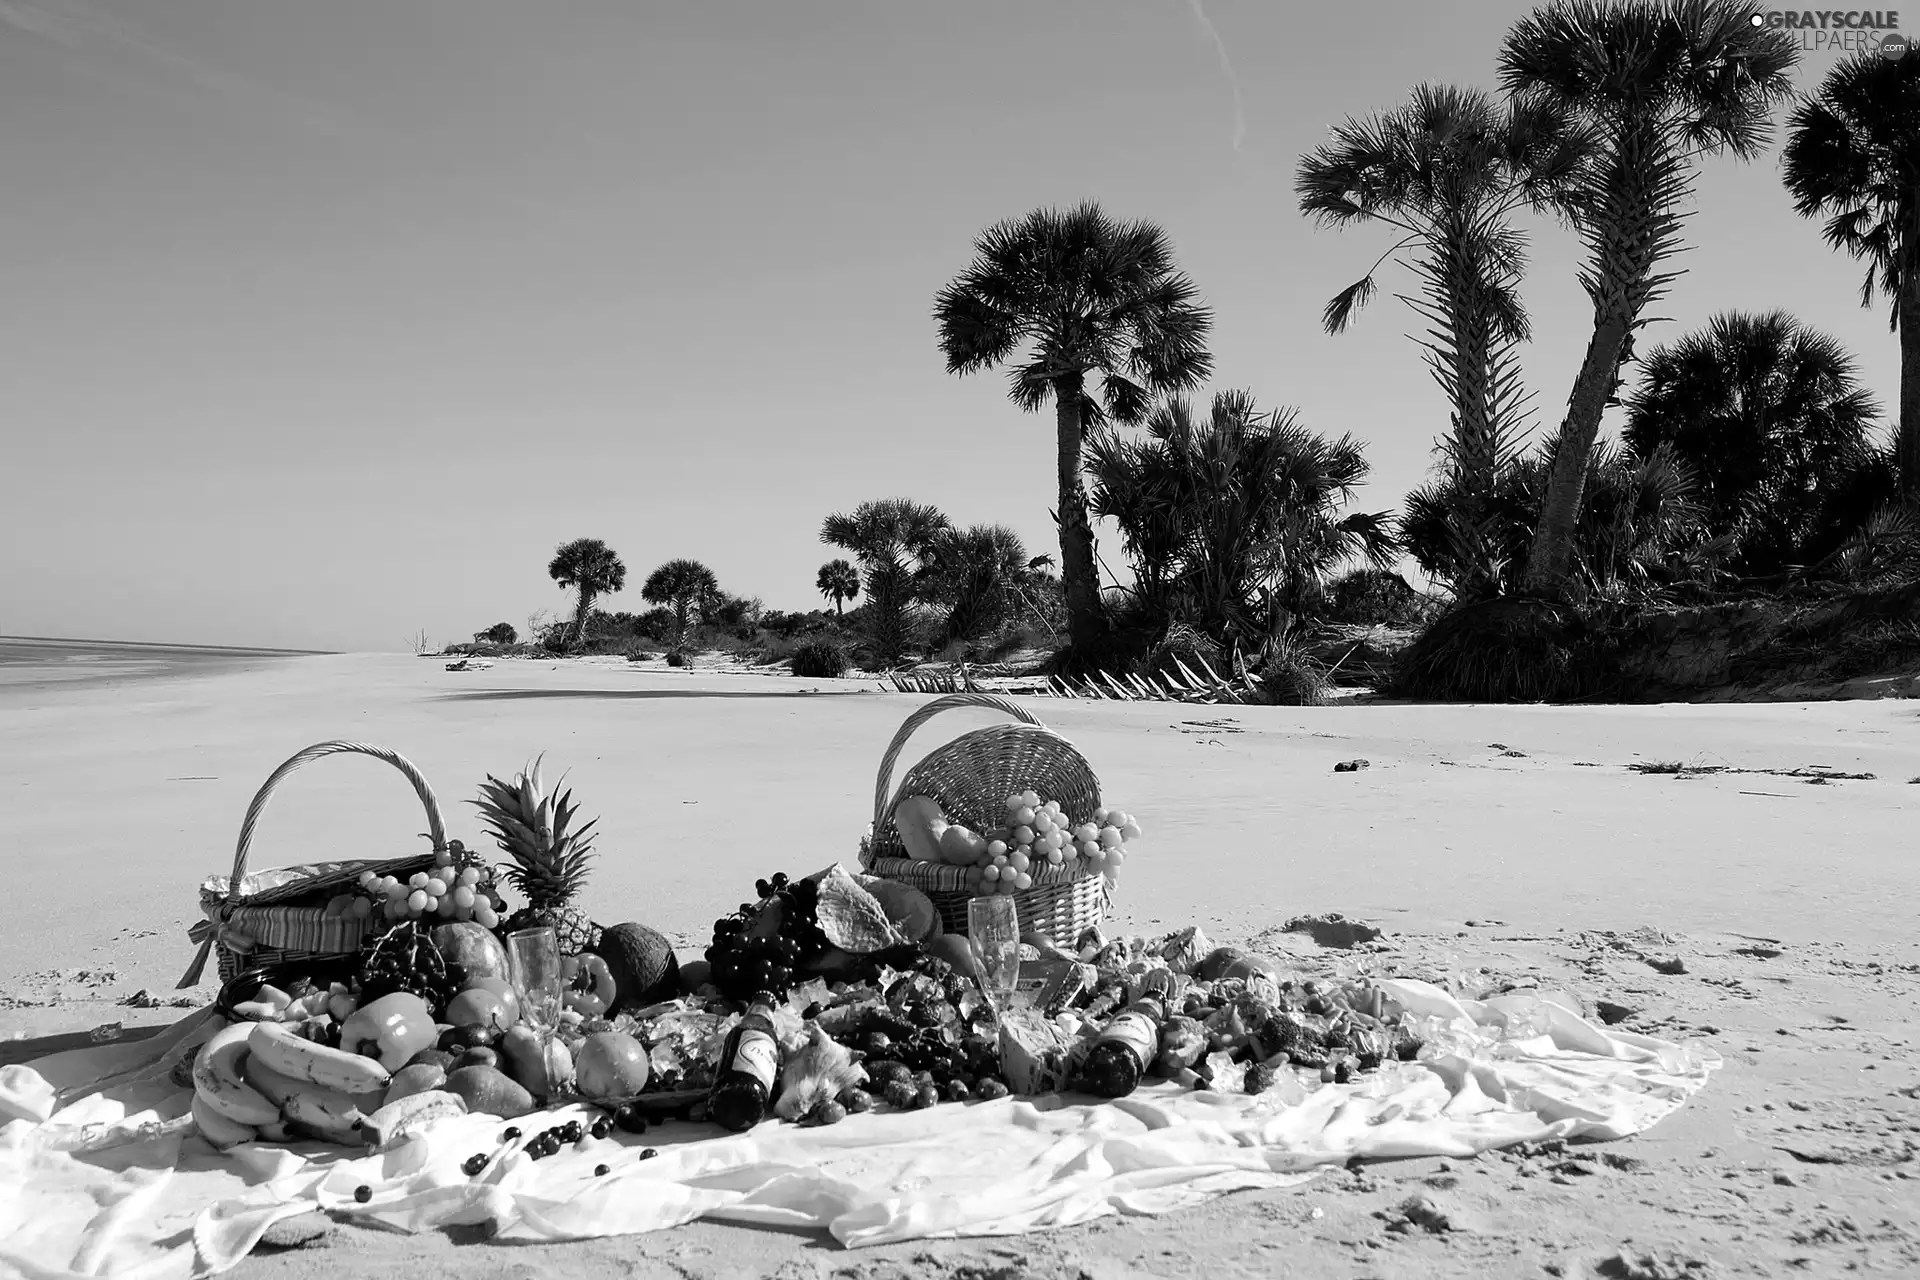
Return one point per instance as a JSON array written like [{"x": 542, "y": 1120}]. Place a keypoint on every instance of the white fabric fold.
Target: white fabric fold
[{"x": 1508, "y": 1070}]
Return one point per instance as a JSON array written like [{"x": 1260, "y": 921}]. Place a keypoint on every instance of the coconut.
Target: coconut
[{"x": 645, "y": 970}]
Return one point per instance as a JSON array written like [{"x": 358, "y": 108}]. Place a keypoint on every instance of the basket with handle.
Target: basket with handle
[
  {"x": 971, "y": 778},
  {"x": 278, "y": 918}
]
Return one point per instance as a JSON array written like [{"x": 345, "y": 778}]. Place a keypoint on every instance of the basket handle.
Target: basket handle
[
  {"x": 436, "y": 828},
  {"x": 991, "y": 701}
]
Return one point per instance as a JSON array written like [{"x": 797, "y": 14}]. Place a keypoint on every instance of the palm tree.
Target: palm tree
[
  {"x": 1853, "y": 155},
  {"x": 893, "y": 540},
  {"x": 1060, "y": 297},
  {"x": 591, "y": 567},
  {"x": 683, "y": 586},
  {"x": 1234, "y": 521},
  {"x": 1661, "y": 83},
  {"x": 1768, "y": 416},
  {"x": 1449, "y": 171},
  {"x": 975, "y": 572},
  {"x": 839, "y": 582}
]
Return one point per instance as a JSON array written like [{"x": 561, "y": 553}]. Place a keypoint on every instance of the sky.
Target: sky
[{"x": 324, "y": 324}]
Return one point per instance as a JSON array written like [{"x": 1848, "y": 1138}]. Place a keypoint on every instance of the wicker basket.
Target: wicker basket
[
  {"x": 277, "y": 919},
  {"x": 971, "y": 778}
]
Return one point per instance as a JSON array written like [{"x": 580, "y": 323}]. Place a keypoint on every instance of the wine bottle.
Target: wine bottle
[
  {"x": 749, "y": 1067},
  {"x": 1124, "y": 1050}
]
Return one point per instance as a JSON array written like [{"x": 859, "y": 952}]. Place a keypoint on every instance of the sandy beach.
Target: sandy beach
[{"x": 1752, "y": 901}]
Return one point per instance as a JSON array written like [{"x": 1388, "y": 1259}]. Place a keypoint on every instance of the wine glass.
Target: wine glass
[
  {"x": 993, "y": 928},
  {"x": 533, "y": 966}
]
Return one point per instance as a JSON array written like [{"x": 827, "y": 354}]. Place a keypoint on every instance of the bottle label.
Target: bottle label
[
  {"x": 756, "y": 1055},
  {"x": 1136, "y": 1031}
]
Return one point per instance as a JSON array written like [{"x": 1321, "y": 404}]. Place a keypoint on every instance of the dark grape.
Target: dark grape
[
  {"x": 990, "y": 1088},
  {"x": 928, "y": 1096},
  {"x": 901, "y": 1094},
  {"x": 362, "y": 1193},
  {"x": 509, "y": 1134},
  {"x": 856, "y": 1100},
  {"x": 602, "y": 1128},
  {"x": 648, "y": 1154},
  {"x": 601, "y": 1171},
  {"x": 956, "y": 1090},
  {"x": 630, "y": 1119},
  {"x": 829, "y": 1112}
]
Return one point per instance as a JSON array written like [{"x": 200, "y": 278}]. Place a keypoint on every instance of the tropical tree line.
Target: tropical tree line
[{"x": 1750, "y": 453}]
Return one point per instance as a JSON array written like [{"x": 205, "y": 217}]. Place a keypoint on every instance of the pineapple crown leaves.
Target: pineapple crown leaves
[{"x": 532, "y": 827}]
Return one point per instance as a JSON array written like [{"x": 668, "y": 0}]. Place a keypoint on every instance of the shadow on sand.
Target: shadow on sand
[{"x": 503, "y": 695}]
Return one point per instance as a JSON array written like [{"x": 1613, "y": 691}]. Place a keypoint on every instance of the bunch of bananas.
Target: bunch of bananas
[{"x": 264, "y": 1081}]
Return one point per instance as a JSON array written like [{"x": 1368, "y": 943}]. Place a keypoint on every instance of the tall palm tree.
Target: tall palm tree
[
  {"x": 590, "y": 567},
  {"x": 1661, "y": 83},
  {"x": 1234, "y": 521},
  {"x": 1449, "y": 170},
  {"x": 1853, "y": 155},
  {"x": 893, "y": 540},
  {"x": 839, "y": 582},
  {"x": 1768, "y": 416},
  {"x": 683, "y": 586},
  {"x": 1061, "y": 297},
  {"x": 975, "y": 573}
]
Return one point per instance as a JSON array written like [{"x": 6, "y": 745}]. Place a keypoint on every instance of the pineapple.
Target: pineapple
[{"x": 549, "y": 862}]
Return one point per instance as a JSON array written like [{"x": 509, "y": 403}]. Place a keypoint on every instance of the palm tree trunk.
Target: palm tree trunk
[
  {"x": 839, "y": 607},
  {"x": 1552, "y": 552},
  {"x": 1907, "y": 446},
  {"x": 580, "y": 622},
  {"x": 1077, "y": 573}
]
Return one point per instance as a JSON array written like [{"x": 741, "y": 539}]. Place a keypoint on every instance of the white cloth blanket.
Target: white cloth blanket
[{"x": 161, "y": 1208}]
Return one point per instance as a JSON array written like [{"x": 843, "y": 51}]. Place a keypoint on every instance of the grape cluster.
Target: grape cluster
[
  {"x": 745, "y": 962},
  {"x": 405, "y": 959}
]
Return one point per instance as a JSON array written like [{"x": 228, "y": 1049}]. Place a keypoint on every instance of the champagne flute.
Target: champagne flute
[
  {"x": 533, "y": 966},
  {"x": 993, "y": 929}
]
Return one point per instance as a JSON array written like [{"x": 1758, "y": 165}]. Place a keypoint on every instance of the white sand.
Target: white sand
[{"x": 126, "y": 795}]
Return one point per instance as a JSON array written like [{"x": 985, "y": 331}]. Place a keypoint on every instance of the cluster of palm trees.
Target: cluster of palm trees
[
  {"x": 591, "y": 569},
  {"x": 1749, "y": 450},
  {"x": 914, "y": 563}
]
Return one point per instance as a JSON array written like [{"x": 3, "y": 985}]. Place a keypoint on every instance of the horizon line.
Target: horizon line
[{"x": 204, "y": 648}]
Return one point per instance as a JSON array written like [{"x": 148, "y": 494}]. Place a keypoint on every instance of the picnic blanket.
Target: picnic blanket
[{"x": 153, "y": 1203}]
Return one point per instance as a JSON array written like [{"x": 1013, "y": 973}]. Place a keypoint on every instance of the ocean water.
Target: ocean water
[{"x": 28, "y": 662}]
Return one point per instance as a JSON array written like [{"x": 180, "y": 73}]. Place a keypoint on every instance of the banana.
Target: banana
[
  {"x": 219, "y": 1085},
  {"x": 401, "y": 1119},
  {"x": 325, "y": 1115},
  {"x": 219, "y": 1131},
  {"x": 280, "y": 1048},
  {"x": 278, "y": 1087},
  {"x": 276, "y": 1132}
]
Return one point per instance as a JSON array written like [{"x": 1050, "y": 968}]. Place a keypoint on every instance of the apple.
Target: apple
[
  {"x": 610, "y": 1065},
  {"x": 485, "y": 1007}
]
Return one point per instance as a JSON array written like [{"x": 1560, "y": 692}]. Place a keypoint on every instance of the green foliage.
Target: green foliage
[
  {"x": 1506, "y": 649},
  {"x": 1638, "y": 530},
  {"x": 839, "y": 582},
  {"x": 1233, "y": 523},
  {"x": 975, "y": 574},
  {"x": 1767, "y": 416},
  {"x": 893, "y": 539},
  {"x": 498, "y": 633},
  {"x": 819, "y": 659},
  {"x": 1372, "y": 597},
  {"x": 678, "y": 658},
  {"x": 686, "y": 587},
  {"x": 590, "y": 567}
]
